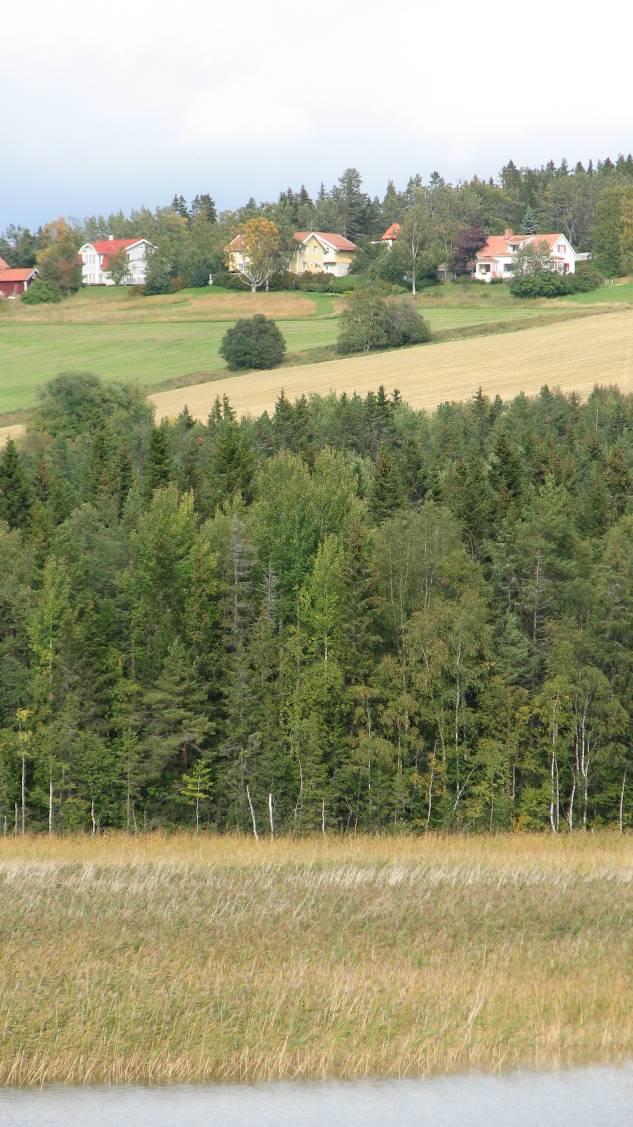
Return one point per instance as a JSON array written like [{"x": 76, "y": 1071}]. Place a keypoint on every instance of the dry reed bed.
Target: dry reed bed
[{"x": 182, "y": 959}]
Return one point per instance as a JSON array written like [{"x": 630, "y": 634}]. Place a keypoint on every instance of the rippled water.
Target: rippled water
[{"x": 590, "y": 1097}]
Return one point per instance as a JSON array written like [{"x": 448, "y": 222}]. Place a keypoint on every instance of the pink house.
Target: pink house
[{"x": 497, "y": 258}]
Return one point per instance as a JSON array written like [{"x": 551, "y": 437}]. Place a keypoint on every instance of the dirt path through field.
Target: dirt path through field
[{"x": 573, "y": 355}]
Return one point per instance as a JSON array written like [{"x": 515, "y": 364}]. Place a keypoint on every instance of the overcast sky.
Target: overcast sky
[{"x": 125, "y": 102}]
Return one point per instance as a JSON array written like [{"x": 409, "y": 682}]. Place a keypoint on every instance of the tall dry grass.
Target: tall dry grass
[{"x": 181, "y": 958}]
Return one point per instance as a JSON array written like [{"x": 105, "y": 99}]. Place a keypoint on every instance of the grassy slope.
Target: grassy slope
[
  {"x": 171, "y": 338},
  {"x": 189, "y": 959},
  {"x": 573, "y": 355}
]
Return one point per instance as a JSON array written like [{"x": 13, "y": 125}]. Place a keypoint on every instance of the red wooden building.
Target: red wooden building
[{"x": 15, "y": 280}]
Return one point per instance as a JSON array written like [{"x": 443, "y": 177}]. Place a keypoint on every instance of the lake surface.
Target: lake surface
[{"x": 588, "y": 1097}]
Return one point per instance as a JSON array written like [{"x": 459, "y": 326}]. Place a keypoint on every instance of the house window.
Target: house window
[
  {"x": 484, "y": 267},
  {"x": 508, "y": 267}
]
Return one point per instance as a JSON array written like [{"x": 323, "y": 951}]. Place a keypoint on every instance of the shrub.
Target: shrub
[
  {"x": 546, "y": 283},
  {"x": 42, "y": 291},
  {"x": 229, "y": 281},
  {"x": 370, "y": 323},
  {"x": 587, "y": 280},
  {"x": 319, "y": 282},
  {"x": 282, "y": 280},
  {"x": 409, "y": 326},
  {"x": 158, "y": 277},
  {"x": 253, "y": 342},
  {"x": 543, "y": 283}
]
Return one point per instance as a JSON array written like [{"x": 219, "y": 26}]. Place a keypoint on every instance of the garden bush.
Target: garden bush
[
  {"x": 41, "y": 292},
  {"x": 253, "y": 342},
  {"x": 546, "y": 283}
]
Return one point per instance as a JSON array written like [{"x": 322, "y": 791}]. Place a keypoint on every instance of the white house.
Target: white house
[
  {"x": 96, "y": 257},
  {"x": 497, "y": 258}
]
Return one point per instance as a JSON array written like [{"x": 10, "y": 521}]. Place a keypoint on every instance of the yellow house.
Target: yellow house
[
  {"x": 318, "y": 252},
  {"x": 322, "y": 252}
]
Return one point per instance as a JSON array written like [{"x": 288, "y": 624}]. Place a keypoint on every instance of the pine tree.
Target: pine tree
[
  {"x": 16, "y": 496},
  {"x": 387, "y": 493},
  {"x": 159, "y": 466}
]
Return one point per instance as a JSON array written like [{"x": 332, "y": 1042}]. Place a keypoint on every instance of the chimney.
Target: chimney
[
  {"x": 507, "y": 234},
  {"x": 111, "y": 238}
]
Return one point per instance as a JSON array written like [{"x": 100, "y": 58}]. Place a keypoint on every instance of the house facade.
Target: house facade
[
  {"x": 15, "y": 280},
  {"x": 322, "y": 252},
  {"x": 497, "y": 258},
  {"x": 389, "y": 237},
  {"x": 96, "y": 257},
  {"x": 317, "y": 252}
]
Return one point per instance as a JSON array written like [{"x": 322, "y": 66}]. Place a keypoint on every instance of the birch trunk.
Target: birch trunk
[{"x": 250, "y": 805}]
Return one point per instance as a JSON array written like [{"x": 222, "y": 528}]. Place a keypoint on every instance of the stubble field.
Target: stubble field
[
  {"x": 572, "y": 355},
  {"x": 183, "y": 958}
]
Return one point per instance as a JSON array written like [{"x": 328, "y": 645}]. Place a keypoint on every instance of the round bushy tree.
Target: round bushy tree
[
  {"x": 253, "y": 342},
  {"x": 40, "y": 292}
]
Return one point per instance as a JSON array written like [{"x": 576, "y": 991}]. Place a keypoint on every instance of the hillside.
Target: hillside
[
  {"x": 572, "y": 355},
  {"x": 175, "y": 338}
]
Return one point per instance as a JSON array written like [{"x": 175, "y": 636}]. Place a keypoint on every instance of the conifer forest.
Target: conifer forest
[{"x": 346, "y": 616}]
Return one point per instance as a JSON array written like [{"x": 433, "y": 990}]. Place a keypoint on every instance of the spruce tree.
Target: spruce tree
[{"x": 16, "y": 495}]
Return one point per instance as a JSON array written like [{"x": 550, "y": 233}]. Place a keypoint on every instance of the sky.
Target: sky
[{"x": 125, "y": 102}]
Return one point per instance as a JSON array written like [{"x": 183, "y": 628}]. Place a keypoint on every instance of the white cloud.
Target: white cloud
[{"x": 146, "y": 90}]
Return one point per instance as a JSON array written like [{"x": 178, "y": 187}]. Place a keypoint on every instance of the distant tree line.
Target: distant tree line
[
  {"x": 441, "y": 223},
  {"x": 343, "y": 615}
]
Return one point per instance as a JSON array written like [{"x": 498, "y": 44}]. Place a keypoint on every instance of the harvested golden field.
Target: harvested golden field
[
  {"x": 13, "y": 431},
  {"x": 573, "y": 355},
  {"x": 181, "y": 959}
]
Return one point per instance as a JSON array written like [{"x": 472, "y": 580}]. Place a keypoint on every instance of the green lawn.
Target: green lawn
[
  {"x": 610, "y": 295},
  {"x": 149, "y": 354}
]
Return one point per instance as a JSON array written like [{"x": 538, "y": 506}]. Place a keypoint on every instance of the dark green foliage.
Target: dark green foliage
[
  {"x": 16, "y": 495},
  {"x": 547, "y": 283},
  {"x": 158, "y": 278},
  {"x": 371, "y": 323},
  {"x": 76, "y": 403},
  {"x": 42, "y": 292},
  {"x": 381, "y": 619},
  {"x": 253, "y": 342}
]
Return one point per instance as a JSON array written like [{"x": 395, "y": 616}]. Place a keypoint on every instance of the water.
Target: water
[{"x": 588, "y": 1097}]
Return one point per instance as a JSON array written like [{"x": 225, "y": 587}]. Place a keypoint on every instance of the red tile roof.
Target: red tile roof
[
  {"x": 109, "y": 247},
  {"x": 337, "y": 241},
  {"x": 391, "y": 233},
  {"x": 497, "y": 245},
  {"x": 17, "y": 274},
  {"x": 112, "y": 246}
]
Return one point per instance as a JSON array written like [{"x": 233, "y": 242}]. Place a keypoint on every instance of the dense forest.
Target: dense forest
[
  {"x": 347, "y": 615},
  {"x": 591, "y": 205}
]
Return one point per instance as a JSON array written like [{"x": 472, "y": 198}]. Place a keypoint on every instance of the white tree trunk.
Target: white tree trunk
[
  {"x": 23, "y": 794},
  {"x": 250, "y": 804},
  {"x": 270, "y": 817}
]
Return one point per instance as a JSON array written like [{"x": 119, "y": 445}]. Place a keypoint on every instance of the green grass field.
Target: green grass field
[{"x": 175, "y": 338}]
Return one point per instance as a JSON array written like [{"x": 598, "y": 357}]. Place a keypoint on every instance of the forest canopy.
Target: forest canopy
[{"x": 347, "y": 615}]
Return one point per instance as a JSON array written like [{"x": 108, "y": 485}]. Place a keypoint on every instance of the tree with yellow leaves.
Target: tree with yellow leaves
[{"x": 260, "y": 247}]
